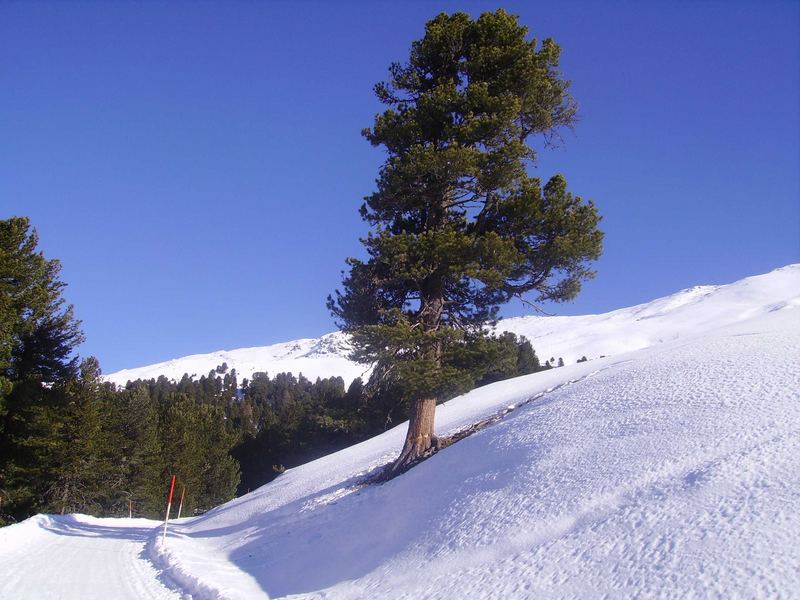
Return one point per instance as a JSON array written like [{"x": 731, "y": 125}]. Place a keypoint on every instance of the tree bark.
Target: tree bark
[{"x": 421, "y": 441}]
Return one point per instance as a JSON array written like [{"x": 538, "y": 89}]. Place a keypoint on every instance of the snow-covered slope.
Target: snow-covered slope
[
  {"x": 670, "y": 471},
  {"x": 687, "y": 312},
  {"x": 316, "y": 357}
]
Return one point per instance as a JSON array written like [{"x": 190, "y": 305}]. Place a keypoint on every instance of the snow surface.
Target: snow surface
[
  {"x": 314, "y": 357},
  {"x": 687, "y": 312},
  {"x": 78, "y": 556},
  {"x": 670, "y": 471}
]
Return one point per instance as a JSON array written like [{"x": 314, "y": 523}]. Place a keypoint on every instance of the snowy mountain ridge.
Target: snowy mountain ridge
[
  {"x": 325, "y": 356},
  {"x": 687, "y": 312}
]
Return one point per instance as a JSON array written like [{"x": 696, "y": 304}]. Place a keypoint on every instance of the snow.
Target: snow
[
  {"x": 78, "y": 556},
  {"x": 671, "y": 470},
  {"x": 313, "y": 357},
  {"x": 687, "y": 312}
]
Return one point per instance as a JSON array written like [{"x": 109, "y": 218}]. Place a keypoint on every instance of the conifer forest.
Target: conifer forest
[{"x": 70, "y": 442}]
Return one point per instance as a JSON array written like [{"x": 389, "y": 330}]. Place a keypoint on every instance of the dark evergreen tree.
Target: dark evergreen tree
[
  {"x": 196, "y": 446},
  {"x": 66, "y": 461},
  {"x": 500, "y": 353},
  {"x": 29, "y": 448},
  {"x": 38, "y": 337},
  {"x": 219, "y": 475},
  {"x": 459, "y": 225},
  {"x": 84, "y": 474},
  {"x": 39, "y": 331},
  {"x": 134, "y": 422},
  {"x": 527, "y": 361},
  {"x": 352, "y": 399}
]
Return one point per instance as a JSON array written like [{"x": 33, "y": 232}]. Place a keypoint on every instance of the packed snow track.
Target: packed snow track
[{"x": 77, "y": 556}]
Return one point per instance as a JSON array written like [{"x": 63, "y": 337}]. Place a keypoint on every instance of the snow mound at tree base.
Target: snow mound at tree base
[{"x": 673, "y": 470}]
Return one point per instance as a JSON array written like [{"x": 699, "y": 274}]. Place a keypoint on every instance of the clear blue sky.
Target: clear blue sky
[{"x": 197, "y": 167}]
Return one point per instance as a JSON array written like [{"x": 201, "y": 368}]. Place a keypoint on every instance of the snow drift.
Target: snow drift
[{"x": 672, "y": 470}]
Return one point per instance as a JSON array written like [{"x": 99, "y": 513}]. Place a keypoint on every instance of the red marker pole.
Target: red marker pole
[
  {"x": 169, "y": 506},
  {"x": 180, "y": 506}
]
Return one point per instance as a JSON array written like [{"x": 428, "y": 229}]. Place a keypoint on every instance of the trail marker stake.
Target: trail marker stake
[
  {"x": 180, "y": 506},
  {"x": 169, "y": 506}
]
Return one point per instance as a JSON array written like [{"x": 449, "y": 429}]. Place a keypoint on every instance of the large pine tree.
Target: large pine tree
[
  {"x": 459, "y": 226},
  {"x": 38, "y": 337}
]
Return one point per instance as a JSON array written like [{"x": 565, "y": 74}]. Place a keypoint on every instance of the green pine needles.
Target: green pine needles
[{"x": 459, "y": 226}]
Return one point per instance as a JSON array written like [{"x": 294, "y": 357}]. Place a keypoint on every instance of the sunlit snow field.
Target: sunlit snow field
[{"x": 670, "y": 468}]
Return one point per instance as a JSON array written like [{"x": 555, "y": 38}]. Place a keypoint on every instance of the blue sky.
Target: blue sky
[{"x": 197, "y": 167}]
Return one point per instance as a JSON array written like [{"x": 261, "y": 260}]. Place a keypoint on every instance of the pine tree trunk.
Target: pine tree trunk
[{"x": 420, "y": 439}]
